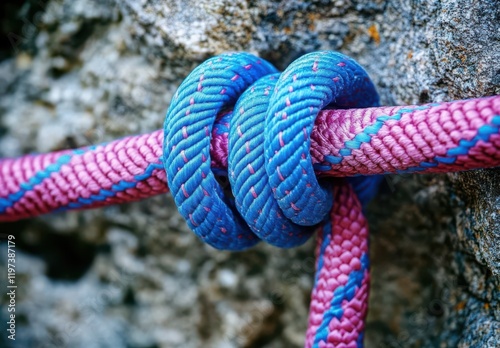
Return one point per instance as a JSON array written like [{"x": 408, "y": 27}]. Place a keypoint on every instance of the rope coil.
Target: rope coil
[
  {"x": 236, "y": 114},
  {"x": 285, "y": 110}
]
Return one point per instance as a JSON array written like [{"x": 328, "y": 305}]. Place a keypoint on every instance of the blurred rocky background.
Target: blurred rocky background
[{"x": 80, "y": 72}]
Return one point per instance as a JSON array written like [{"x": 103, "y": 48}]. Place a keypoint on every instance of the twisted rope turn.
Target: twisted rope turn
[{"x": 274, "y": 152}]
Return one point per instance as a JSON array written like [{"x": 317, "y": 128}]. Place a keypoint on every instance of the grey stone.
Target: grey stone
[{"x": 83, "y": 71}]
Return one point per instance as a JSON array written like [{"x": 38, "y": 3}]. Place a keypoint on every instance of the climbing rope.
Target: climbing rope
[{"x": 279, "y": 139}]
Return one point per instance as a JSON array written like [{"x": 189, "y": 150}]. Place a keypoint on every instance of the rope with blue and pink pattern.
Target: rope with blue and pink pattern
[{"x": 236, "y": 117}]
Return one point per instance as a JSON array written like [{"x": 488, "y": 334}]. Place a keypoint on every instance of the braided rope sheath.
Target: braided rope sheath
[
  {"x": 432, "y": 138},
  {"x": 339, "y": 301},
  {"x": 247, "y": 173},
  {"x": 213, "y": 85},
  {"x": 305, "y": 87},
  {"x": 268, "y": 161}
]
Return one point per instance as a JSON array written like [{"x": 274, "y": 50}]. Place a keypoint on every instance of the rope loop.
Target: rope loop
[
  {"x": 247, "y": 173},
  {"x": 214, "y": 85},
  {"x": 309, "y": 84}
]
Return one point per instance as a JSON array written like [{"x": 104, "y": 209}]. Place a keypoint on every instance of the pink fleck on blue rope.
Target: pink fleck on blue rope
[
  {"x": 284, "y": 148},
  {"x": 215, "y": 84},
  {"x": 247, "y": 173},
  {"x": 311, "y": 83}
]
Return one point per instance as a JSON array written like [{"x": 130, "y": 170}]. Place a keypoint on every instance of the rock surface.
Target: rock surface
[{"x": 79, "y": 72}]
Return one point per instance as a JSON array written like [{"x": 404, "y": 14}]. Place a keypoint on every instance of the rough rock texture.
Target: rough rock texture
[{"x": 79, "y": 72}]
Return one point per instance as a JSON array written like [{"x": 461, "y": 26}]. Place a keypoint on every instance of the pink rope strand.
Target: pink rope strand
[
  {"x": 407, "y": 138},
  {"x": 347, "y": 242}
]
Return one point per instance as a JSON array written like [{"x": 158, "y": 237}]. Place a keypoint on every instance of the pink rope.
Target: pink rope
[
  {"x": 346, "y": 242},
  {"x": 408, "y": 137}
]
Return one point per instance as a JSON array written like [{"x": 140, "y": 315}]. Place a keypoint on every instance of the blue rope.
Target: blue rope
[
  {"x": 273, "y": 116},
  {"x": 309, "y": 84},
  {"x": 212, "y": 86},
  {"x": 247, "y": 172}
]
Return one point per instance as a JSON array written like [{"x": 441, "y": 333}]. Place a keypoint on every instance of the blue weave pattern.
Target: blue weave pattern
[
  {"x": 270, "y": 169},
  {"x": 309, "y": 84},
  {"x": 247, "y": 172},
  {"x": 212, "y": 86}
]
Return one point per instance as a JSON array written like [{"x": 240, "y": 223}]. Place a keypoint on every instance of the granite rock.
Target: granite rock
[{"x": 80, "y": 72}]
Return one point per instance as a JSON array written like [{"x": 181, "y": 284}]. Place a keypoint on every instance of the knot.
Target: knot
[{"x": 276, "y": 193}]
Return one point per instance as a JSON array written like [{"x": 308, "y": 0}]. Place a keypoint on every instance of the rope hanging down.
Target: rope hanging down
[{"x": 236, "y": 115}]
